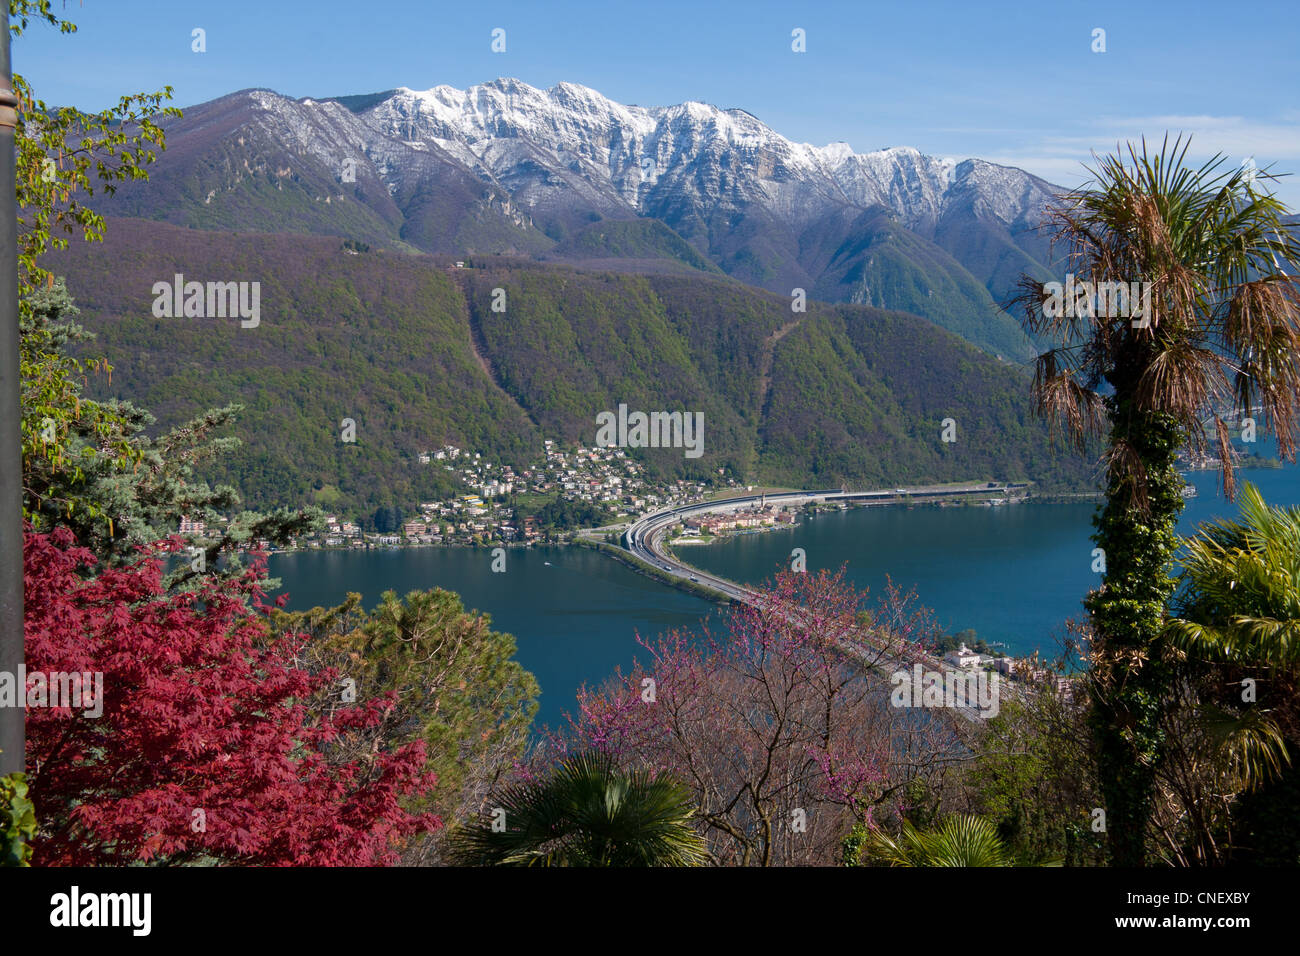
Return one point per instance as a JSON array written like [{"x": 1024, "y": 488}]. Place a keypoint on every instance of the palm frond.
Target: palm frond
[
  {"x": 960, "y": 840},
  {"x": 586, "y": 813},
  {"x": 1221, "y": 264}
]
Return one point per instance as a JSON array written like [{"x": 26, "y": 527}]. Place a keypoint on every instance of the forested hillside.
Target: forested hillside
[{"x": 410, "y": 348}]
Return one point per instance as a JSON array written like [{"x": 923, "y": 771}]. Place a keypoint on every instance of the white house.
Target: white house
[
  {"x": 963, "y": 658},
  {"x": 189, "y": 526}
]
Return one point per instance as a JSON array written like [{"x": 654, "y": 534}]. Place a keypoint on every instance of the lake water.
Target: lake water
[
  {"x": 1013, "y": 573},
  {"x": 574, "y": 612}
]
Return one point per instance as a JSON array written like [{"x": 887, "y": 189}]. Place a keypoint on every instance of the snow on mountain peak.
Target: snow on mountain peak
[{"x": 548, "y": 141}]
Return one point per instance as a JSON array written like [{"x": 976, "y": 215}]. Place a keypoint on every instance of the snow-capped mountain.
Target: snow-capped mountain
[
  {"x": 567, "y": 173},
  {"x": 642, "y": 158}
]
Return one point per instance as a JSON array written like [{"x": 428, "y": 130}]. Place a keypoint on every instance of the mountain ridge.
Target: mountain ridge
[{"x": 504, "y": 167}]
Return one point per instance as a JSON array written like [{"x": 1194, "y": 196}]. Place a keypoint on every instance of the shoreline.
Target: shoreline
[{"x": 586, "y": 537}]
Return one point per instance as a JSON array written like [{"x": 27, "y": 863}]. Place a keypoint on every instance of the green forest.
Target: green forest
[{"x": 414, "y": 354}]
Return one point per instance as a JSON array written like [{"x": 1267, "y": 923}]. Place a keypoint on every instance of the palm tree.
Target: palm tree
[
  {"x": 587, "y": 813},
  {"x": 1220, "y": 329},
  {"x": 961, "y": 840},
  {"x": 1241, "y": 603},
  {"x": 1239, "y": 611}
]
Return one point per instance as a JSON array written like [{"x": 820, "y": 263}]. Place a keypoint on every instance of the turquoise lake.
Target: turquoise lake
[{"x": 1013, "y": 573}]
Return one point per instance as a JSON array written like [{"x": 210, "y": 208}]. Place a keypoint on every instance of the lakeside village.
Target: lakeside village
[
  {"x": 1019, "y": 669},
  {"x": 566, "y": 486},
  {"x": 545, "y": 502},
  {"x": 569, "y": 484}
]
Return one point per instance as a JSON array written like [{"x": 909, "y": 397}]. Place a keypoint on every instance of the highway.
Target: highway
[{"x": 644, "y": 539}]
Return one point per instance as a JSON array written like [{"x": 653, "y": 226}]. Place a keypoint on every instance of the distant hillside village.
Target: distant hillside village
[
  {"x": 571, "y": 488},
  {"x": 1021, "y": 669}
]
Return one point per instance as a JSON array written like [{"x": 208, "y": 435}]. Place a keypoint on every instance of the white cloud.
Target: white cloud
[
  {"x": 1060, "y": 158},
  {"x": 1234, "y": 136}
]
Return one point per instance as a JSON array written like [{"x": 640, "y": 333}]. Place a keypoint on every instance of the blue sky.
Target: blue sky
[{"x": 1012, "y": 82}]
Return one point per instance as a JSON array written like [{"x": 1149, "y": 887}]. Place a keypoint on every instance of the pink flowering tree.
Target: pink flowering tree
[{"x": 783, "y": 726}]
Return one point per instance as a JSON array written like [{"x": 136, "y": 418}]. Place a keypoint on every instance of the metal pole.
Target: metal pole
[{"x": 12, "y": 726}]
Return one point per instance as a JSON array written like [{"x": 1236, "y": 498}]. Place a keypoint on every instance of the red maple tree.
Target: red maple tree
[{"x": 212, "y": 745}]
